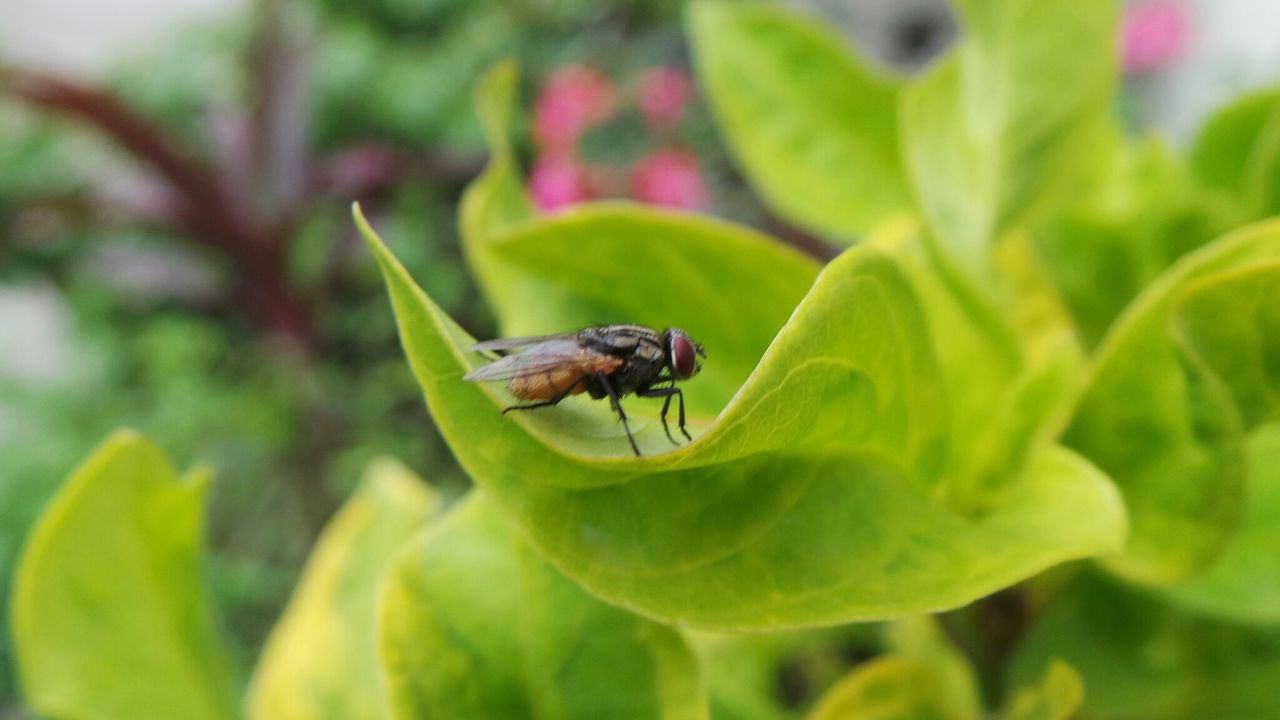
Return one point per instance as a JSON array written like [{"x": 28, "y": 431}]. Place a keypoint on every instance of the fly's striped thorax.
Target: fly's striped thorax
[{"x": 623, "y": 340}]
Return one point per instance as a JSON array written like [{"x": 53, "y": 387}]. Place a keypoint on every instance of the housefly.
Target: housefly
[{"x": 606, "y": 361}]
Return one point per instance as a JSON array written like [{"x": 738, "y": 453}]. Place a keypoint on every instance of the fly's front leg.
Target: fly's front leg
[
  {"x": 667, "y": 393},
  {"x": 617, "y": 406}
]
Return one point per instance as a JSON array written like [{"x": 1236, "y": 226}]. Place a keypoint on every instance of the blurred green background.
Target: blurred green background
[{"x": 175, "y": 254}]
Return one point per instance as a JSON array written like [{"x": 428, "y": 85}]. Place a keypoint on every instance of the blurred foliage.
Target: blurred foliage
[
  {"x": 288, "y": 433},
  {"x": 1139, "y": 657}
]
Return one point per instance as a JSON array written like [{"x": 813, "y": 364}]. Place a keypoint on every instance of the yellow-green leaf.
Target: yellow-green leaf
[
  {"x": 1058, "y": 696},
  {"x": 1229, "y": 151},
  {"x": 321, "y": 659},
  {"x": 813, "y": 128},
  {"x": 475, "y": 625},
  {"x": 987, "y": 373},
  {"x": 1183, "y": 375},
  {"x": 110, "y": 618},
  {"x": 891, "y": 688},
  {"x": 925, "y": 677},
  {"x": 1010, "y": 119},
  {"x": 1244, "y": 584}
]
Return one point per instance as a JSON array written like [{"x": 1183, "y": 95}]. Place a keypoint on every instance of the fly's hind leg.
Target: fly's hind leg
[{"x": 617, "y": 407}]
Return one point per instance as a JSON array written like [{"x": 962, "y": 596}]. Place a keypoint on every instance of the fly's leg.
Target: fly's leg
[
  {"x": 547, "y": 403},
  {"x": 666, "y": 405},
  {"x": 686, "y": 432},
  {"x": 667, "y": 393},
  {"x": 617, "y": 407}
]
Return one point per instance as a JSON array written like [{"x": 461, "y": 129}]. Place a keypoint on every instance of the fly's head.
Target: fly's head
[{"x": 682, "y": 354}]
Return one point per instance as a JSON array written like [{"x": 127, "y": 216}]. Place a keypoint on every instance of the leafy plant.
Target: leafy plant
[{"x": 964, "y": 398}]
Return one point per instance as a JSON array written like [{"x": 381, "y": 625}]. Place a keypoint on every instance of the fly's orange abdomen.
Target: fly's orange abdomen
[{"x": 546, "y": 385}]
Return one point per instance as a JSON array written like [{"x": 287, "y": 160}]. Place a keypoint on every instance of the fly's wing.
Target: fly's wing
[
  {"x": 502, "y": 344},
  {"x": 544, "y": 357}
]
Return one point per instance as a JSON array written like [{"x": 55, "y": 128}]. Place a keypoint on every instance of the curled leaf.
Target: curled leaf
[
  {"x": 804, "y": 502},
  {"x": 1176, "y": 385}
]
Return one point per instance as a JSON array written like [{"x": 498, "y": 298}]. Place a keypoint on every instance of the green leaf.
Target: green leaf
[
  {"x": 475, "y": 625},
  {"x": 890, "y": 688},
  {"x": 1228, "y": 140},
  {"x": 772, "y": 676},
  {"x": 987, "y": 371},
  {"x": 109, "y": 618},
  {"x": 1244, "y": 585},
  {"x": 805, "y": 500},
  {"x": 742, "y": 675},
  {"x": 1238, "y": 152},
  {"x": 497, "y": 199},
  {"x": 1058, "y": 696},
  {"x": 1143, "y": 214},
  {"x": 813, "y": 128},
  {"x": 1162, "y": 413},
  {"x": 926, "y": 677},
  {"x": 1140, "y": 659},
  {"x": 1011, "y": 119},
  {"x": 1262, "y": 172},
  {"x": 1231, "y": 321},
  {"x": 921, "y": 639},
  {"x": 321, "y": 659}
]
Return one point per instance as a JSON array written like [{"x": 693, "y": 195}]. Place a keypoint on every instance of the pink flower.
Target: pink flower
[
  {"x": 1154, "y": 33},
  {"x": 670, "y": 178},
  {"x": 572, "y": 100},
  {"x": 557, "y": 181},
  {"x": 664, "y": 92}
]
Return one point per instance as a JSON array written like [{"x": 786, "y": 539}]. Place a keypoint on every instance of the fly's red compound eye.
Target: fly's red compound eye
[{"x": 682, "y": 356}]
